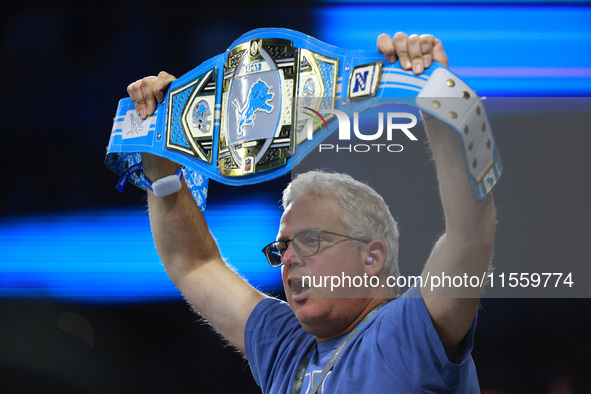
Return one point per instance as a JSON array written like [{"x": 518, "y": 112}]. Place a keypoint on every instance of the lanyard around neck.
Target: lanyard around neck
[{"x": 303, "y": 365}]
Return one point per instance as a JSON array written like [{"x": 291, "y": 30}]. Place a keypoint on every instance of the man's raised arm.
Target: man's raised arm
[
  {"x": 183, "y": 240},
  {"x": 466, "y": 247}
]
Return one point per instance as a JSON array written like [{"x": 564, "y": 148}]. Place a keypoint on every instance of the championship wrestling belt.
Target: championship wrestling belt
[{"x": 253, "y": 112}]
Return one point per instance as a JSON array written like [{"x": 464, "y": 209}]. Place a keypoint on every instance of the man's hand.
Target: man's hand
[
  {"x": 414, "y": 52},
  {"x": 148, "y": 91},
  {"x": 145, "y": 93}
]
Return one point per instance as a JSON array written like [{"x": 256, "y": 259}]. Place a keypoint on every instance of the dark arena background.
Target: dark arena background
[{"x": 85, "y": 304}]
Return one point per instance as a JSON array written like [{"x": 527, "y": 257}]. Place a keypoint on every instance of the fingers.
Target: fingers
[
  {"x": 161, "y": 85},
  {"x": 426, "y": 44},
  {"x": 147, "y": 92},
  {"x": 409, "y": 49},
  {"x": 414, "y": 52},
  {"x": 141, "y": 94},
  {"x": 149, "y": 102},
  {"x": 386, "y": 46},
  {"x": 400, "y": 41},
  {"x": 439, "y": 54}
]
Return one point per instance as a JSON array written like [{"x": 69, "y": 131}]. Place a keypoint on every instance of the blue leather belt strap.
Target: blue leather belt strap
[{"x": 237, "y": 118}]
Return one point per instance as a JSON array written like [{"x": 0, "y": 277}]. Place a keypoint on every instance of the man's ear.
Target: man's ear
[{"x": 375, "y": 255}]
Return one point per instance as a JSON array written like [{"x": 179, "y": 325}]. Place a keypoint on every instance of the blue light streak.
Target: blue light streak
[
  {"x": 109, "y": 255},
  {"x": 500, "y": 50}
]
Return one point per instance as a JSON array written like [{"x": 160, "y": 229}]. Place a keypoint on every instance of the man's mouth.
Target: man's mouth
[{"x": 299, "y": 291}]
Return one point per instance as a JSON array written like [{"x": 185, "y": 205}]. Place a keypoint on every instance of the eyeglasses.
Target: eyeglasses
[{"x": 306, "y": 244}]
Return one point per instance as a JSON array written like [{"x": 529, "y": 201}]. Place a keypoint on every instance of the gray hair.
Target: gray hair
[{"x": 365, "y": 214}]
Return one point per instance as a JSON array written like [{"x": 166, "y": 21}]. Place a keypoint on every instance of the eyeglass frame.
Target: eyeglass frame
[{"x": 317, "y": 232}]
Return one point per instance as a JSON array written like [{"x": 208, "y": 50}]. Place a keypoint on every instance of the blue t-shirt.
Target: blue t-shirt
[{"x": 396, "y": 351}]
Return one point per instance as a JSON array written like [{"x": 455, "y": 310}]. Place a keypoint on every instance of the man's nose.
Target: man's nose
[{"x": 290, "y": 256}]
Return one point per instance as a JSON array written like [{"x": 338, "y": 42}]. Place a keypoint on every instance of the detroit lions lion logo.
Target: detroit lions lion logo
[
  {"x": 201, "y": 115},
  {"x": 258, "y": 100}
]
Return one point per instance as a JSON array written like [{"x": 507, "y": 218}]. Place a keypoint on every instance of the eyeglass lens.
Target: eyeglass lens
[{"x": 306, "y": 244}]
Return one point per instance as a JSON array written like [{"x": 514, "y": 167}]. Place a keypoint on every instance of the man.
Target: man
[{"x": 418, "y": 342}]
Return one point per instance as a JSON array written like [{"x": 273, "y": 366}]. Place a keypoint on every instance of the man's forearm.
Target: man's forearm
[
  {"x": 465, "y": 218},
  {"x": 467, "y": 244},
  {"x": 465, "y": 248},
  {"x": 181, "y": 235},
  {"x": 193, "y": 262}
]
